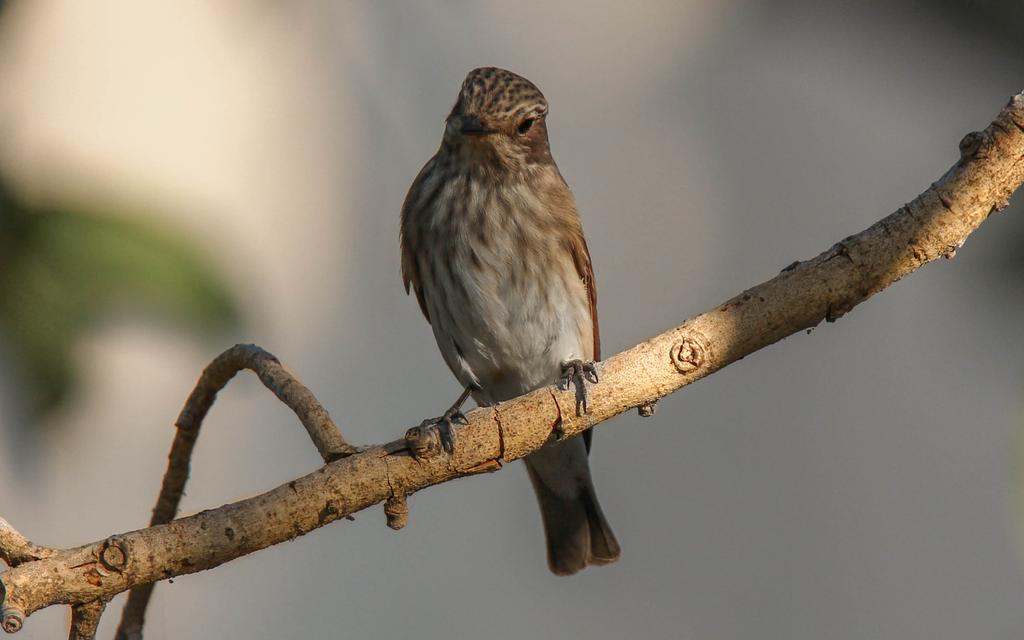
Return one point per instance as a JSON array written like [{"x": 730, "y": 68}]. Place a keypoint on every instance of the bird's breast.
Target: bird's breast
[{"x": 503, "y": 290}]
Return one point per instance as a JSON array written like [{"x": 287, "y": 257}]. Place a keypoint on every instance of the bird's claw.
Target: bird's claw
[
  {"x": 445, "y": 426},
  {"x": 419, "y": 441},
  {"x": 579, "y": 372}
]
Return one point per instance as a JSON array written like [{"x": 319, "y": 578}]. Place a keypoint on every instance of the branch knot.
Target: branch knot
[
  {"x": 114, "y": 554},
  {"x": 970, "y": 144},
  {"x": 13, "y": 618},
  {"x": 687, "y": 354}
]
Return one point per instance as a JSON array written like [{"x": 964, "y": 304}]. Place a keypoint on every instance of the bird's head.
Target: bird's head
[{"x": 499, "y": 117}]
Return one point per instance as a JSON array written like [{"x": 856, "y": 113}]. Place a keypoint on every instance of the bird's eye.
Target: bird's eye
[{"x": 525, "y": 126}]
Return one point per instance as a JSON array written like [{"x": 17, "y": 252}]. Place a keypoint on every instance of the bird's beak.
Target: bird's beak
[{"x": 471, "y": 126}]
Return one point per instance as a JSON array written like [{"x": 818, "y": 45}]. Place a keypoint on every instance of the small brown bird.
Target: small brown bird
[{"x": 494, "y": 249}]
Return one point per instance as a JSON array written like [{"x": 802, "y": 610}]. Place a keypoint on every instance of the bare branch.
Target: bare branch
[
  {"x": 85, "y": 618},
  {"x": 16, "y": 548},
  {"x": 274, "y": 376},
  {"x": 286, "y": 387},
  {"x": 934, "y": 224}
]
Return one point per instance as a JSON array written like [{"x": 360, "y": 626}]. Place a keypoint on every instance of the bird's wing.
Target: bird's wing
[
  {"x": 408, "y": 239},
  {"x": 581, "y": 258},
  {"x": 411, "y": 276}
]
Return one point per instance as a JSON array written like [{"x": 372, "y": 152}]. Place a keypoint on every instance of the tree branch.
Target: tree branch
[
  {"x": 16, "y": 548},
  {"x": 291, "y": 392},
  {"x": 934, "y": 224},
  {"x": 85, "y": 618}
]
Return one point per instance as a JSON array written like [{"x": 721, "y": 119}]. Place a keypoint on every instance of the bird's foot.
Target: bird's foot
[
  {"x": 422, "y": 441},
  {"x": 419, "y": 438},
  {"x": 578, "y": 373}
]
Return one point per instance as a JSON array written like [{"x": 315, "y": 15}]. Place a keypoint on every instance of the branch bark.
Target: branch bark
[
  {"x": 933, "y": 225},
  {"x": 85, "y": 619},
  {"x": 322, "y": 430},
  {"x": 16, "y": 548}
]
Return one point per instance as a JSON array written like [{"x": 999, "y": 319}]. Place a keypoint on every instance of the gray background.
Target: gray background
[{"x": 859, "y": 482}]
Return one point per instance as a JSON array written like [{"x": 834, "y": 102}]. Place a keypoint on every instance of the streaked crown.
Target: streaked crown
[{"x": 490, "y": 93}]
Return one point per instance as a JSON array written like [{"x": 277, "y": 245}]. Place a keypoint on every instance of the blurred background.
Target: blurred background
[{"x": 178, "y": 177}]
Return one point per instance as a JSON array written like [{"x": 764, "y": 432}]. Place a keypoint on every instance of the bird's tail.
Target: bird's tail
[{"x": 575, "y": 527}]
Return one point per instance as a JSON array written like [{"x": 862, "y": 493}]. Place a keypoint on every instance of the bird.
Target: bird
[{"x": 492, "y": 246}]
